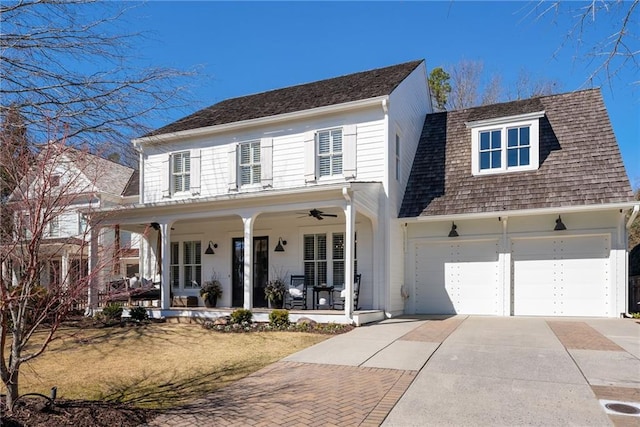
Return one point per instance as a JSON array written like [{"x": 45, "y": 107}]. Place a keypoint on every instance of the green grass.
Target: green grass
[{"x": 153, "y": 366}]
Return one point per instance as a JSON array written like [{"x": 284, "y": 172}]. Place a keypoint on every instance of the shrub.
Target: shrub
[
  {"x": 138, "y": 314},
  {"x": 112, "y": 311},
  {"x": 279, "y": 318},
  {"x": 241, "y": 316}
]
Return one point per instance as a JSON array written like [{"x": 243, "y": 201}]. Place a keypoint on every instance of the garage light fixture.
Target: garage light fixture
[
  {"x": 559, "y": 225},
  {"x": 453, "y": 232}
]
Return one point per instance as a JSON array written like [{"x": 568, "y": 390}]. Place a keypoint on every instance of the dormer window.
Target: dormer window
[{"x": 507, "y": 144}]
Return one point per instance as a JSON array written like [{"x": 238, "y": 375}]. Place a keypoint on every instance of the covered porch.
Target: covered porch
[{"x": 244, "y": 241}]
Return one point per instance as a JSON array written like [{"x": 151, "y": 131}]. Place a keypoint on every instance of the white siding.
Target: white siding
[
  {"x": 408, "y": 106},
  {"x": 288, "y": 153}
]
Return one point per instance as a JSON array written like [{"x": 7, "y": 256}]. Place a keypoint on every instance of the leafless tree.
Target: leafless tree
[
  {"x": 606, "y": 56},
  {"x": 71, "y": 61},
  {"x": 465, "y": 84},
  {"x": 527, "y": 86},
  {"x": 36, "y": 292},
  {"x": 471, "y": 86},
  {"x": 66, "y": 72}
]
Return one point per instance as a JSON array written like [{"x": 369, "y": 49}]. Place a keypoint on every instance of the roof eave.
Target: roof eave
[
  {"x": 522, "y": 212},
  {"x": 261, "y": 121}
]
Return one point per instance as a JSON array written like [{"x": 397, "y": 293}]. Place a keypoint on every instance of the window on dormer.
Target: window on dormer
[
  {"x": 249, "y": 163},
  {"x": 330, "y": 152},
  {"x": 508, "y": 144}
]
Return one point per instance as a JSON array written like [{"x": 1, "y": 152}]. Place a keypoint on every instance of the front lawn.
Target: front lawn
[{"x": 153, "y": 366}]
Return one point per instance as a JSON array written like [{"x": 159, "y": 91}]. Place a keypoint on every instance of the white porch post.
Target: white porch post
[
  {"x": 248, "y": 261},
  {"x": 64, "y": 266},
  {"x": 349, "y": 250},
  {"x": 165, "y": 263},
  {"x": 92, "y": 292}
]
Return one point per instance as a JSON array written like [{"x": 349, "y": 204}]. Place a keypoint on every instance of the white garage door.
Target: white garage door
[
  {"x": 566, "y": 276},
  {"x": 457, "y": 277}
]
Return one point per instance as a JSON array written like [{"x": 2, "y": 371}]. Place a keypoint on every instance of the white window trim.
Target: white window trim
[
  {"x": 251, "y": 164},
  {"x": 330, "y": 154},
  {"x": 532, "y": 120},
  {"x": 397, "y": 156},
  {"x": 54, "y": 227},
  {"x": 172, "y": 159}
]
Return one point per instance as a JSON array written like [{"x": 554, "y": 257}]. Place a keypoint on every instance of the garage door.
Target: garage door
[
  {"x": 561, "y": 277},
  {"x": 457, "y": 277}
]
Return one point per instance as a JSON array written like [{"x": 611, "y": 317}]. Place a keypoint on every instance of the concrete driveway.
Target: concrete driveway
[{"x": 461, "y": 370}]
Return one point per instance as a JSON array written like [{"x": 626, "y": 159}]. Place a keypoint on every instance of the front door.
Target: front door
[{"x": 260, "y": 271}]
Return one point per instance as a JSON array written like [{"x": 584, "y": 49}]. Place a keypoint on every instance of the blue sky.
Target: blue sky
[{"x": 247, "y": 47}]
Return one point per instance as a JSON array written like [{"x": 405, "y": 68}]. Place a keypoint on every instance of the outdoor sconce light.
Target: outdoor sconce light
[
  {"x": 281, "y": 244},
  {"x": 559, "y": 225},
  {"x": 209, "y": 250},
  {"x": 453, "y": 232}
]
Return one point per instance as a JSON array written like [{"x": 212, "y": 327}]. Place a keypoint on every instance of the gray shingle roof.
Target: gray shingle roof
[
  {"x": 580, "y": 163},
  {"x": 337, "y": 90},
  {"x": 133, "y": 186},
  {"x": 107, "y": 176}
]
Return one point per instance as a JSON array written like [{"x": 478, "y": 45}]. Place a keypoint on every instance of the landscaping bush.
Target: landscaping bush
[
  {"x": 112, "y": 311},
  {"x": 279, "y": 318},
  {"x": 241, "y": 316},
  {"x": 138, "y": 314}
]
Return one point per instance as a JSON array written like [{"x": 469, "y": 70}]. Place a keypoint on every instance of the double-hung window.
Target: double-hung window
[
  {"x": 180, "y": 172},
  {"x": 192, "y": 264},
  {"x": 188, "y": 274},
  {"x": 330, "y": 152},
  {"x": 508, "y": 144},
  {"x": 324, "y": 263},
  {"x": 54, "y": 227},
  {"x": 249, "y": 163}
]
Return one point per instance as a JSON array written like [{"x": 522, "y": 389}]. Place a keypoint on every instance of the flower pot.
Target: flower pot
[
  {"x": 210, "y": 302},
  {"x": 274, "y": 303}
]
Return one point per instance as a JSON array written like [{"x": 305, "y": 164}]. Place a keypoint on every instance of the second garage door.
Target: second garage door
[
  {"x": 566, "y": 276},
  {"x": 457, "y": 278}
]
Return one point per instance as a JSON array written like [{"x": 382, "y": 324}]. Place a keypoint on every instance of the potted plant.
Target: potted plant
[
  {"x": 275, "y": 289},
  {"x": 210, "y": 292}
]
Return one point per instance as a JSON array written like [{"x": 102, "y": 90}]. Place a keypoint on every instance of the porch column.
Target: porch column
[
  {"x": 248, "y": 261},
  {"x": 349, "y": 250},
  {"x": 92, "y": 291},
  {"x": 64, "y": 266},
  {"x": 165, "y": 266}
]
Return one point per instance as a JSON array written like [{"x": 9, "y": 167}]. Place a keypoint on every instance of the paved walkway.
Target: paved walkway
[{"x": 440, "y": 371}]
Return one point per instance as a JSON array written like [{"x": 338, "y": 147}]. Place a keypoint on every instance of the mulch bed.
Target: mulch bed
[{"x": 33, "y": 412}]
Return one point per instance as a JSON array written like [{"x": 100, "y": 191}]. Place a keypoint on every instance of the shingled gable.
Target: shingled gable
[
  {"x": 580, "y": 163},
  {"x": 338, "y": 90}
]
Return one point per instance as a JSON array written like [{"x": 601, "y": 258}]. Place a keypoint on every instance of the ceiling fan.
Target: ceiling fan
[{"x": 317, "y": 214}]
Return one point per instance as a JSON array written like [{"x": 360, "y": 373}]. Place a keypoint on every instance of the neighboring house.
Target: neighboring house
[
  {"x": 358, "y": 176},
  {"x": 66, "y": 185}
]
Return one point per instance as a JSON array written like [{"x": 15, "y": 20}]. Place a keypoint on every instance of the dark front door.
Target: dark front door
[
  {"x": 237, "y": 275},
  {"x": 260, "y": 271}
]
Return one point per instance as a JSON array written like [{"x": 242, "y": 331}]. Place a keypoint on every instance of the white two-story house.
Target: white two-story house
[
  {"x": 51, "y": 209},
  {"x": 355, "y": 175}
]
